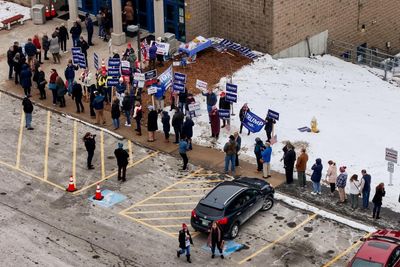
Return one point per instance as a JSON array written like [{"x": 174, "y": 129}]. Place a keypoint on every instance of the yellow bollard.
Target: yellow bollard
[{"x": 314, "y": 125}]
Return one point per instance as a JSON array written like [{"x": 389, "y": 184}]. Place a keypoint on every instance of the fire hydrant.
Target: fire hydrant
[{"x": 314, "y": 125}]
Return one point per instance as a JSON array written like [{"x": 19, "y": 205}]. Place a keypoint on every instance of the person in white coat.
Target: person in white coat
[
  {"x": 331, "y": 176},
  {"x": 354, "y": 190}
]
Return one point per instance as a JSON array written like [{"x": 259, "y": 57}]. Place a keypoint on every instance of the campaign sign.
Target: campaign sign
[
  {"x": 75, "y": 59},
  {"x": 252, "y": 122},
  {"x": 138, "y": 76},
  {"x": 201, "y": 85},
  {"x": 162, "y": 48},
  {"x": 150, "y": 75},
  {"x": 194, "y": 106},
  {"x": 179, "y": 87},
  {"x": 82, "y": 64},
  {"x": 273, "y": 115},
  {"x": 180, "y": 77},
  {"x": 112, "y": 82},
  {"x": 125, "y": 68},
  {"x": 76, "y": 50},
  {"x": 152, "y": 90},
  {"x": 166, "y": 77},
  {"x": 96, "y": 61},
  {"x": 231, "y": 88},
  {"x": 224, "y": 114},
  {"x": 113, "y": 72},
  {"x": 231, "y": 97},
  {"x": 114, "y": 62}
]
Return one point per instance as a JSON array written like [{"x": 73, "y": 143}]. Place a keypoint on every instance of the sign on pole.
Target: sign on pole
[
  {"x": 152, "y": 90},
  {"x": 391, "y": 155},
  {"x": 231, "y": 93},
  {"x": 179, "y": 87},
  {"x": 224, "y": 114},
  {"x": 201, "y": 85},
  {"x": 112, "y": 82},
  {"x": 114, "y": 62},
  {"x": 152, "y": 74},
  {"x": 96, "y": 61},
  {"x": 273, "y": 115},
  {"x": 194, "y": 106},
  {"x": 390, "y": 167},
  {"x": 78, "y": 58},
  {"x": 180, "y": 77}
]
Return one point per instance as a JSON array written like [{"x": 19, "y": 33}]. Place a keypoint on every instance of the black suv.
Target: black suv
[{"x": 231, "y": 203}]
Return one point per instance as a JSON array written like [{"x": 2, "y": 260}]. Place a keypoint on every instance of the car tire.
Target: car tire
[
  {"x": 268, "y": 203},
  {"x": 234, "y": 231}
]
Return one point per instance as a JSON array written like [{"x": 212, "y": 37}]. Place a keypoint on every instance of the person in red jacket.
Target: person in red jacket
[{"x": 36, "y": 42}]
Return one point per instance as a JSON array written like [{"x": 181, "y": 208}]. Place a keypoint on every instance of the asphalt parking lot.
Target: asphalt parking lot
[{"x": 42, "y": 224}]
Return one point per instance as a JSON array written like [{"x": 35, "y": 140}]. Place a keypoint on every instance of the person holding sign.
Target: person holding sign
[
  {"x": 223, "y": 104},
  {"x": 70, "y": 75},
  {"x": 211, "y": 100},
  {"x": 159, "y": 96},
  {"x": 269, "y": 126},
  {"x": 242, "y": 114}
]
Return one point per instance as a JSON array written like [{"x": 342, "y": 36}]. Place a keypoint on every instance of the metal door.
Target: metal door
[{"x": 174, "y": 18}]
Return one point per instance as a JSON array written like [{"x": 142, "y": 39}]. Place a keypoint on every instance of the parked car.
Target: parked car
[
  {"x": 232, "y": 203},
  {"x": 381, "y": 249}
]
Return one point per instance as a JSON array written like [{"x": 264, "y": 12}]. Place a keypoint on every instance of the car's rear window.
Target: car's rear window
[
  {"x": 363, "y": 263},
  {"x": 209, "y": 211},
  {"x": 379, "y": 245}
]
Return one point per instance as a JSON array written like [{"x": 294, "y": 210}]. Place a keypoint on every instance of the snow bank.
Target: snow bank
[
  {"x": 8, "y": 9},
  {"x": 357, "y": 114}
]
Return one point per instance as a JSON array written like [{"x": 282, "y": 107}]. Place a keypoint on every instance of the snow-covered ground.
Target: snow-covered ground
[
  {"x": 8, "y": 9},
  {"x": 357, "y": 114}
]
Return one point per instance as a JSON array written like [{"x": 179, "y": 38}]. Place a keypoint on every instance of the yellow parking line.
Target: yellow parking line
[
  {"x": 103, "y": 168},
  {"x": 115, "y": 173},
  {"x": 279, "y": 239},
  {"x": 148, "y": 225},
  {"x": 21, "y": 130},
  {"x": 172, "y": 197},
  {"x": 46, "y": 150},
  {"x": 130, "y": 152},
  {"x": 156, "y": 211},
  {"x": 164, "y": 218},
  {"x": 202, "y": 182},
  {"x": 205, "y": 175},
  {"x": 188, "y": 189},
  {"x": 156, "y": 194},
  {"x": 166, "y": 204},
  {"x": 336, "y": 258},
  {"x": 74, "y": 141}
]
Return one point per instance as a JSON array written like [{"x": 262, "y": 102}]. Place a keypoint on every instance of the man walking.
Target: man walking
[
  {"x": 230, "y": 154},
  {"x": 183, "y": 148},
  {"x": 301, "y": 166},
  {"x": 366, "y": 188},
  {"x": 28, "y": 109},
  {"x": 122, "y": 161},
  {"x": 266, "y": 158}
]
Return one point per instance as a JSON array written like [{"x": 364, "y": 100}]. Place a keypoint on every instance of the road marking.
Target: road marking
[
  {"x": 311, "y": 217},
  {"x": 146, "y": 224},
  {"x": 46, "y": 150},
  {"x": 166, "y": 204},
  {"x": 336, "y": 258},
  {"x": 172, "y": 197},
  {"x": 202, "y": 182},
  {"x": 74, "y": 141},
  {"x": 116, "y": 172},
  {"x": 21, "y": 130},
  {"x": 188, "y": 189},
  {"x": 103, "y": 167},
  {"x": 164, "y": 218},
  {"x": 156, "y": 211},
  {"x": 31, "y": 175},
  {"x": 130, "y": 152}
]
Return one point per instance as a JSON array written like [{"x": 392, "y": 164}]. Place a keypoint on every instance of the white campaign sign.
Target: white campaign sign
[
  {"x": 194, "y": 106},
  {"x": 152, "y": 90},
  {"x": 162, "y": 48},
  {"x": 139, "y": 76},
  {"x": 201, "y": 85}
]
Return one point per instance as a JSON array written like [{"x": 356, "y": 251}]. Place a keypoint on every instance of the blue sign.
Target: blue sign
[
  {"x": 114, "y": 62},
  {"x": 75, "y": 50},
  {"x": 224, "y": 114},
  {"x": 150, "y": 75},
  {"x": 179, "y": 87},
  {"x": 166, "y": 78},
  {"x": 96, "y": 61},
  {"x": 252, "y": 122},
  {"x": 229, "y": 97},
  {"x": 180, "y": 77},
  {"x": 229, "y": 248},
  {"x": 273, "y": 115},
  {"x": 112, "y": 81},
  {"x": 231, "y": 88},
  {"x": 110, "y": 198},
  {"x": 113, "y": 72},
  {"x": 78, "y": 58}
]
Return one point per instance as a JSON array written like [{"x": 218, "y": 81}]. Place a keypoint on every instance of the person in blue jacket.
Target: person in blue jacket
[
  {"x": 159, "y": 96},
  {"x": 316, "y": 177},
  {"x": 30, "y": 51},
  {"x": 211, "y": 100},
  {"x": 98, "y": 105},
  {"x": 187, "y": 130},
  {"x": 26, "y": 82},
  {"x": 183, "y": 148},
  {"x": 152, "y": 56},
  {"x": 366, "y": 188},
  {"x": 69, "y": 74},
  {"x": 266, "y": 159}
]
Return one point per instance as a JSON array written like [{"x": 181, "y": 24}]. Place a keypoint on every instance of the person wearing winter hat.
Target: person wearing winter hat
[
  {"x": 152, "y": 125},
  {"x": 185, "y": 239},
  {"x": 122, "y": 161},
  {"x": 341, "y": 184},
  {"x": 230, "y": 154},
  {"x": 316, "y": 177}
]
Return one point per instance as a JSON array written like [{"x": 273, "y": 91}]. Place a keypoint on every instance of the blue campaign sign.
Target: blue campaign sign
[
  {"x": 113, "y": 72},
  {"x": 231, "y": 88},
  {"x": 252, "y": 122},
  {"x": 224, "y": 114},
  {"x": 150, "y": 75},
  {"x": 75, "y": 50},
  {"x": 273, "y": 114},
  {"x": 229, "y": 248},
  {"x": 112, "y": 81},
  {"x": 96, "y": 61},
  {"x": 82, "y": 64},
  {"x": 231, "y": 97},
  {"x": 114, "y": 62},
  {"x": 179, "y": 87},
  {"x": 110, "y": 198},
  {"x": 166, "y": 78},
  {"x": 76, "y": 59},
  {"x": 180, "y": 77}
]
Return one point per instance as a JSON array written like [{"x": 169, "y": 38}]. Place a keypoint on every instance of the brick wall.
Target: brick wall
[
  {"x": 197, "y": 18},
  {"x": 294, "y": 20}
]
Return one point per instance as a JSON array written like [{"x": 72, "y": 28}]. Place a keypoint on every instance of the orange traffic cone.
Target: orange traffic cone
[
  {"x": 53, "y": 11},
  {"x": 47, "y": 13},
  {"x": 71, "y": 185},
  {"x": 98, "y": 195}
]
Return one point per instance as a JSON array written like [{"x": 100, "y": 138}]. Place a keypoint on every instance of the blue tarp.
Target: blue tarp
[
  {"x": 197, "y": 49},
  {"x": 110, "y": 198},
  {"x": 229, "y": 247}
]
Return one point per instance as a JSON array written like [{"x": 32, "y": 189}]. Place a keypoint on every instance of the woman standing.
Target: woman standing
[
  {"x": 215, "y": 239},
  {"x": 137, "y": 115},
  {"x": 55, "y": 48},
  {"x": 52, "y": 85},
  {"x": 354, "y": 191},
  {"x": 242, "y": 115},
  {"x": 187, "y": 131},
  {"x": 331, "y": 176},
  {"x": 90, "y": 144},
  {"x": 341, "y": 184},
  {"x": 316, "y": 177},
  {"x": 258, "y": 148},
  {"x": 115, "y": 113},
  {"x": 215, "y": 122},
  {"x": 45, "y": 45},
  {"x": 152, "y": 124},
  {"x": 166, "y": 126},
  {"x": 61, "y": 91},
  {"x": 377, "y": 200},
  {"x": 38, "y": 46}
]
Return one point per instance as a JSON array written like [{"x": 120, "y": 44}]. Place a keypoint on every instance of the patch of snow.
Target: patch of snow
[{"x": 9, "y": 9}]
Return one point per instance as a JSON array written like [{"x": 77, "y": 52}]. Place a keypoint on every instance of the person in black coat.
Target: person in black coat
[
  {"x": 122, "y": 161},
  {"x": 216, "y": 239},
  {"x": 289, "y": 158},
  {"x": 166, "y": 126},
  {"x": 28, "y": 109},
  {"x": 90, "y": 144},
  {"x": 92, "y": 89},
  {"x": 126, "y": 108},
  {"x": 185, "y": 239},
  {"x": 187, "y": 130},
  {"x": 26, "y": 79},
  {"x": 84, "y": 47},
  {"x": 242, "y": 114},
  {"x": 63, "y": 36},
  {"x": 41, "y": 83},
  {"x": 10, "y": 62},
  {"x": 77, "y": 94},
  {"x": 152, "y": 124},
  {"x": 377, "y": 200},
  {"x": 115, "y": 113},
  {"x": 223, "y": 104},
  {"x": 182, "y": 100},
  {"x": 19, "y": 61},
  {"x": 177, "y": 122},
  {"x": 269, "y": 126}
]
